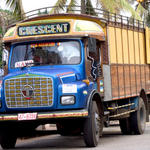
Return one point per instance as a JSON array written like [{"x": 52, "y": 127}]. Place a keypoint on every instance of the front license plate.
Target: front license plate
[{"x": 27, "y": 116}]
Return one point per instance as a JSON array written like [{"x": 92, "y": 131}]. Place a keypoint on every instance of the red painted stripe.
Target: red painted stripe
[{"x": 65, "y": 73}]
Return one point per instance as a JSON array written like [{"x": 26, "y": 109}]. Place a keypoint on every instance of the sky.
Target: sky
[
  {"x": 32, "y": 4},
  {"x": 29, "y": 5},
  {"x": 35, "y": 4}
]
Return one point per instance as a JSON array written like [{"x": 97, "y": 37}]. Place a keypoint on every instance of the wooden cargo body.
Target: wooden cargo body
[{"x": 128, "y": 55}]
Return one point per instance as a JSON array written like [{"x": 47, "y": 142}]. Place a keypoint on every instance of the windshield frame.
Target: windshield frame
[{"x": 42, "y": 41}]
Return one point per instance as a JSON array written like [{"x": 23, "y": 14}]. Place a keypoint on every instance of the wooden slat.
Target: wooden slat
[
  {"x": 133, "y": 80},
  {"x": 114, "y": 81},
  {"x": 143, "y": 76},
  {"x": 138, "y": 77},
  {"x": 147, "y": 73},
  {"x": 121, "y": 81},
  {"x": 127, "y": 80}
]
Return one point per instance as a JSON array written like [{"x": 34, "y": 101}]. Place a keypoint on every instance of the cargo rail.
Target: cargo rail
[{"x": 104, "y": 15}]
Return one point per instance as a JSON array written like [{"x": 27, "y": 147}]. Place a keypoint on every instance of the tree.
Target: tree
[
  {"x": 5, "y": 16},
  {"x": 16, "y": 7},
  {"x": 143, "y": 7},
  {"x": 1, "y": 34},
  {"x": 113, "y": 6}
]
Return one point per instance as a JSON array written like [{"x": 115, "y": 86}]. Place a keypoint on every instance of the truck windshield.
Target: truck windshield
[{"x": 46, "y": 53}]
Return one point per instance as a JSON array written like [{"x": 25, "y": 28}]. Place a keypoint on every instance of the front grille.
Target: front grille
[{"x": 29, "y": 92}]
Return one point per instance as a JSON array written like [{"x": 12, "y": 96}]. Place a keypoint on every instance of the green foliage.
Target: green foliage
[
  {"x": 116, "y": 6},
  {"x": 71, "y": 6},
  {"x": 109, "y": 5},
  {"x": 42, "y": 12},
  {"x": 141, "y": 10},
  {"x": 0, "y": 30},
  {"x": 8, "y": 17},
  {"x": 59, "y": 6},
  {"x": 16, "y": 7},
  {"x": 148, "y": 20},
  {"x": 113, "y": 6},
  {"x": 89, "y": 8}
]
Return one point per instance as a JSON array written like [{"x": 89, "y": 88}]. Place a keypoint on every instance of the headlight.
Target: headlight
[{"x": 67, "y": 100}]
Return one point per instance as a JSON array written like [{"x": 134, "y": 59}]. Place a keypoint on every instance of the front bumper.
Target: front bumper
[{"x": 48, "y": 115}]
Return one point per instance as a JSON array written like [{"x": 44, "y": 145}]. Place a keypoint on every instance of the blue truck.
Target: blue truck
[{"x": 75, "y": 71}]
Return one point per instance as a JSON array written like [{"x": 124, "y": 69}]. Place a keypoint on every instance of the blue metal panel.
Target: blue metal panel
[
  {"x": 80, "y": 97},
  {"x": 53, "y": 72}
]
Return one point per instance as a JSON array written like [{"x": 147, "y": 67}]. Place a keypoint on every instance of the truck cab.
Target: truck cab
[{"x": 51, "y": 74}]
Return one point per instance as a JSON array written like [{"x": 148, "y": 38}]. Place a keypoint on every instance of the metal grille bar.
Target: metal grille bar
[{"x": 41, "y": 88}]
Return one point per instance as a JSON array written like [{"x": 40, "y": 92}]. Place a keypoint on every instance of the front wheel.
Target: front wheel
[
  {"x": 8, "y": 141},
  {"x": 92, "y": 126}
]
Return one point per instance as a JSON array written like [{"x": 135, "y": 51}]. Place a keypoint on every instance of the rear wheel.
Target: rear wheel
[
  {"x": 125, "y": 126},
  {"x": 92, "y": 126},
  {"x": 138, "y": 118}
]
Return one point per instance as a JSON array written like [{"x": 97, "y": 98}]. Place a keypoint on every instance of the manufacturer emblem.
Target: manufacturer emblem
[{"x": 27, "y": 91}]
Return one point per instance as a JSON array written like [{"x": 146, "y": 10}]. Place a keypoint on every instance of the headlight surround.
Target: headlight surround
[{"x": 67, "y": 100}]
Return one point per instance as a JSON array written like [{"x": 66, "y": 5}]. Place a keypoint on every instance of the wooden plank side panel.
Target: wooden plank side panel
[
  {"x": 142, "y": 48},
  {"x": 143, "y": 77},
  {"x": 112, "y": 44},
  {"x": 138, "y": 77},
  {"x": 147, "y": 39},
  {"x": 119, "y": 46},
  {"x": 124, "y": 84},
  {"x": 114, "y": 80},
  {"x": 131, "y": 47},
  {"x": 125, "y": 46},
  {"x": 133, "y": 79},
  {"x": 147, "y": 73},
  {"x": 127, "y": 80},
  {"x": 121, "y": 81},
  {"x": 136, "y": 46}
]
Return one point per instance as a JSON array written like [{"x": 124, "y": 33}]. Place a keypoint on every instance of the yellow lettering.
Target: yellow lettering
[
  {"x": 53, "y": 29},
  {"x": 65, "y": 27},
  {"x": 59, "y": 28}
]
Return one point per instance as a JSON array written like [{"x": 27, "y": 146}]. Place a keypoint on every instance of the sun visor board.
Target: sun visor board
[{"x": 52, "y": 28}]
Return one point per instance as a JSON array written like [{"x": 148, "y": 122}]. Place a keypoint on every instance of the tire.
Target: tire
[
  {"x": 92, "y": 126},
  {"x": 125, "y": 126},
  {"x": 138, "y": 118},
  {"x": 7, "y": 141}
]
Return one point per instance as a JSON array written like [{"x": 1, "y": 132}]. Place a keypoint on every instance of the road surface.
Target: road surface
[{"x": 112, "y": 140}]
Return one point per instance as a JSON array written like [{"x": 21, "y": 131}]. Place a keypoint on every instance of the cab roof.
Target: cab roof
[{"x": 56, "y": 26}]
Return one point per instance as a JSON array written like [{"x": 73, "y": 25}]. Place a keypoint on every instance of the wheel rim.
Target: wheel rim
[{"x": 97, "y": 125}]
